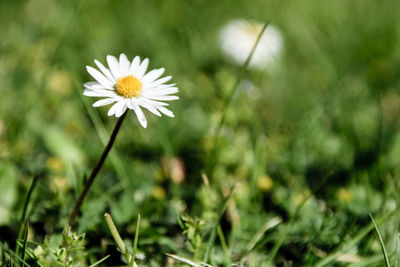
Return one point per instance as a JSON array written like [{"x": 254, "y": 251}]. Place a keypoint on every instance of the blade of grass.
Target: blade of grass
[
  {"x": 352, "y": 242},
  {"x": 381, "y": 241},
  {"x": 187, "y": 261},
  {"x": 260, "y": 160},
  {"x": 178, "y": 218},
  {"x": 28, "y": 251},
  {"x": 13, "y": 255},
  {"x": 213, "y": 234},
  {"x": 282, "y": 237},
  {"x": 397, "y": 251},
  {"x": 224, "y": 246},
  {"x": 31, "y": 243},
  {"x": 135, "y": 242},
  {"x": 100, "y": 261},
  {"x": 117, "y": 237},
  {"x": 264, "y": 228},
  {"x": 22, "y": 220},
  {"x": 229, "y": 98},
  {"x": 285, "y": 231},
  {"x": 25, "y": 241},
  {"x": 370, "y": 261}
]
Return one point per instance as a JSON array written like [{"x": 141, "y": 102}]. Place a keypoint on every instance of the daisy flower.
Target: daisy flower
[
  {"x": 238, "y": 37},
  {"x": 126, "y": 85}
]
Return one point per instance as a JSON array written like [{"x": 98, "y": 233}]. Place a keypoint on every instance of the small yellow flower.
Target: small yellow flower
[
  {"x": 158, "y": 192},
  {"x": 265, "y": 183},
  {"x": 299, "y": 198},
  {"x": 59, "y": 183},
  {"x": 55, "y": 164},
  {"x": 345, "y": 195}
]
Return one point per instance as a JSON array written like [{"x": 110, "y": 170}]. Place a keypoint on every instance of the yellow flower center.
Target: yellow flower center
[{"x": 128, "y": 86}]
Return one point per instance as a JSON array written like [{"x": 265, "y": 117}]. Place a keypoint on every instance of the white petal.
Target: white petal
[
  {"x": 113, "y": 64},
  {"x": 115, "y": 107},
  {"x": 98, "y": 76},
  {"x": 94, "y": 86},
  {"x": 160, "y": 81},
  {"x": 167, "y": 91},
  {"x": 124, "y": 109},
  {"x": 129, "y": 103},
  {"x": 152, "y": 102},
  {"x": 104, "y": 102},
  {"x": 139, "y": 114},
  {"x": 152, "y": 75},
  {"x": 88, "y": 84},
  {"x": 162, "y": 86},
  {"x": 99, "y": 93},
  {"x": 134, "y": 101},
  {"x": 134, "y": 66},
  {"x": 142, "y": 68},
  {"x": 106, "y": 71},
  {"x": 124, "y": 65},
  {"x": 172, "y": 90},
  {"x": 120, "y": 109},
  {"x": 151, "y": 108},
  {"x": 162, "y": 97},
  {"x": 166, "y": 112}
]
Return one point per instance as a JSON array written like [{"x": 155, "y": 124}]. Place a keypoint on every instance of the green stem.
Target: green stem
[
  {"x": 381, "y": 242},
  {"x": 118, "y": 240},
  {"x": 224, "y": 246},
  {"x": 23, "y": 216},
  {"x": 132, "y": 263},
  {"x": 96, "y": 169},
  {"x": 213, "y": 234},
  {"x": 230, "y": 97}
]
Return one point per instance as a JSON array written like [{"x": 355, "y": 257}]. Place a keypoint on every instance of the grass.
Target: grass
[
  {"x": 284, "y": 168},
  {"x": 387, "y": 262}
]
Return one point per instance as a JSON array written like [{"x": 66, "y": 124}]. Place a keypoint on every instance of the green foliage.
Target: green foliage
[
  {"x": 69, "y": 252},
  {"x": 308, "y": 149},
  {"x": 192, "y": 229}
]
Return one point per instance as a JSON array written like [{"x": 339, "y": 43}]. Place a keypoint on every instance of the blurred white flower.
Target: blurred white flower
[
  {"x": 237, "y": 38},
  {"x": 140, "y": 256},
  {"x": 127, "y": 85}
]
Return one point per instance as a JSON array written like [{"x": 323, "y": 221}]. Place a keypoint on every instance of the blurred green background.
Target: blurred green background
[{"x": 314, "y": 146}]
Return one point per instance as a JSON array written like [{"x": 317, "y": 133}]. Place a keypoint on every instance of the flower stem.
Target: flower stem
[
  {"x": 95, "y": 170},
  {"x": 212, "y": 154},
  {"x": 118, "y": 240},
  {"x": 132, "y": 262}
]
